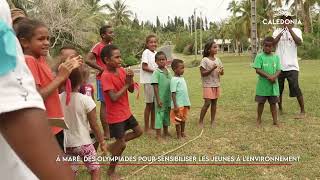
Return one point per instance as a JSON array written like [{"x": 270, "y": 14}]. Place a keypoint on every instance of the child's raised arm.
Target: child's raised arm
[
  {"x": 64, "y": 71},
  {"x": 92, "y": 117},
  {"x": 129, "y": 77},
  {"x": 114, "y": 96}
]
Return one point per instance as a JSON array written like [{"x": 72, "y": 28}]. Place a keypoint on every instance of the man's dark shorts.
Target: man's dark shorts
[
  {"x": 293, "y": 80},
  {"x": 118, "y": 130},
  {"x": 263, "y": 99}
]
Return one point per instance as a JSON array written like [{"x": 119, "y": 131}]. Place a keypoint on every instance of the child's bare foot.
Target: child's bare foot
[
  {"x": 148, "y": 132},
  {"x": 183, "y": 135},
  {"x": 258, "y": 125},
  {"x": 160, "y": 140},
  {"x": 201, "y": 125},
  {"x": 213, "y": 124},
  {"x": 300, "y": 116},
  {"x": 166, "y": 135},
  {"x": 276, "y": 125},
  {"x": 114, "y": 176}
]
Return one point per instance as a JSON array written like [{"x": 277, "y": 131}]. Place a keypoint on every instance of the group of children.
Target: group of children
[{"x": 166, "y": 95}]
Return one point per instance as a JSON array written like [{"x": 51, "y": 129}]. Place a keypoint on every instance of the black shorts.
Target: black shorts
[
  {"x": 60, "y": 138},
  {"x": 118, "y": 130},
  {"x": 271, "y": 99},
  {"x": 293, "y": 80}
]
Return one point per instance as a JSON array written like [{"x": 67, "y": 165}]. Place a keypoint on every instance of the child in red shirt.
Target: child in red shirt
[
  {"x": 34, "y": 39},
  {"x": 116, "y": 83},
  {"x": 95, "y": 61}
]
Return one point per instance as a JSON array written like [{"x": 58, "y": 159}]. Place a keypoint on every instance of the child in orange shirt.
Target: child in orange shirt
[{"x": 34, "y": 39}]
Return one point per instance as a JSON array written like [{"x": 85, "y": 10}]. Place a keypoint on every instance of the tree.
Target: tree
[
  {"x": 69, "y": 21},
  {"x": 135, "y": 22},
  {"x": 304, "y": 11},
  {"x": 234, "y": 7},
  {"x": 119, "y": 12},
  {"x": 158, "y": 24}
]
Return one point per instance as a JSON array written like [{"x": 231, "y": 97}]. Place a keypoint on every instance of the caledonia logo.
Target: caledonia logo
[{"x": 281, "y": 21}]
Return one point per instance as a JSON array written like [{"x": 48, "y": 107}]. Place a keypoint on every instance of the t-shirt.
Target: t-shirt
[
  {"x": 119, "y": 110},
  {"x": 43, "y": 77},
  {"x": 17, "y": 92},
  {"x": 270, "y": 64},
  {"x": 149, "y": 58},
  {"x": 179, "y": 86},
  {"x": 75, "y": 115},
  {"x": 163, "y": 80},
  {"x": 287, "y": 49},
  {"x": 96, "y": 50},
  {"x": 87, "y": 89},
  {"x": 213, "y": 79}
]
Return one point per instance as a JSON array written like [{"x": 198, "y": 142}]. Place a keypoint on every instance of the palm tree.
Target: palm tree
[
  {"x": 119, "y": 12},
  {"x": 234, "y": 7},
  {"x": 304, "y": 11}
]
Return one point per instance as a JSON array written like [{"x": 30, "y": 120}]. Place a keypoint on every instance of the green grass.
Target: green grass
[{"x": 236, "y": 133}]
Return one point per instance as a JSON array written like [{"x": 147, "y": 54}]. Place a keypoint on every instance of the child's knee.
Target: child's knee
[{"x": 138, "y": 132}]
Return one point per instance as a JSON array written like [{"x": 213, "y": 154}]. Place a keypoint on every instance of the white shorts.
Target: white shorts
[
  {"x": 18, "y": 89},
  {"x": 148, "y": 93}
]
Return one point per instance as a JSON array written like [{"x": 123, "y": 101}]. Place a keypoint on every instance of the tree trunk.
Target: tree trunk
[{"x": 306, "y": 17}]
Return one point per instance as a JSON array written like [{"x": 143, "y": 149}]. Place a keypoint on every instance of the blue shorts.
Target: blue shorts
[{"x": 99, "y": 91}]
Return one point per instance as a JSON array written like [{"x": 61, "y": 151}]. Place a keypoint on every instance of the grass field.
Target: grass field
[{"x": 236, "y": 133}]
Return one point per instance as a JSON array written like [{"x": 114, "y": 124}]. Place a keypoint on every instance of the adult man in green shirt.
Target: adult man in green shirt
[{"x": 268, "y": 68}]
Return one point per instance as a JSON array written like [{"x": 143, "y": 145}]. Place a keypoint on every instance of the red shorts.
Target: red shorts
[{"x": 181, "y": 116}]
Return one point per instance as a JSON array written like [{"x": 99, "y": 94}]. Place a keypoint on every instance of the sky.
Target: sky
[{"x": 214, "y": 10}]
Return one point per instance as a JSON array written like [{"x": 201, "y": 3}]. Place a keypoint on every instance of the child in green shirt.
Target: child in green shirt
[
  {"x": 180, "y": 103},
  {"x": 160, "y": 80},
  {"x": 267, "y": 66}
]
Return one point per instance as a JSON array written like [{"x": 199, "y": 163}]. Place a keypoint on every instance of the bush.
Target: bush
[
  {"x": 309, "y": 48},
  {"x": 130, "y": 61},
  {"x": 182, "y": 41},
  {"x": 195, "y": 63},
  {"x": 188, "y": 49},
  {"x": 131, "y": 43}
]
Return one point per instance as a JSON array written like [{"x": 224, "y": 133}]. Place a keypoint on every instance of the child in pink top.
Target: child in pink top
[{"x": 211, "y": 69}]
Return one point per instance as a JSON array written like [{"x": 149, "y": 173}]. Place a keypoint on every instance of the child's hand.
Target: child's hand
[
  {"x": 104, "y": 147},
  {"x": 160, "y": 104},
  {"x": 129, "y": 77},
  {"x": 272, "y": 79},
  {"x": 77, "y": 61},
  {"x": 214, "y": 67},
  {"x": 176, "y": 111},
  {"x": 129, "y": 72},
  {"x": 64, "y": 70}
]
